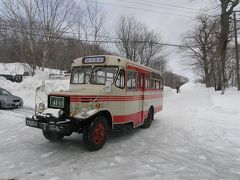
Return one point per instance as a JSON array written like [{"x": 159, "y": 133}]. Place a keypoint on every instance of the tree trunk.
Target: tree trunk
[
  {"x": 45, "y": 56},
  {"x": 223, "y": 47}
]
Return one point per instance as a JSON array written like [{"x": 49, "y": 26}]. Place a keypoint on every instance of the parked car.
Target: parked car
[
  {"x": 26, "y": 73},
  {"x": 9, "y": 101},
  {"x": 67, "y": 73},
  {"x": 17, "y": 78},
  {"x": 8, "y": 77},
  {"x": 61, "y": 75}
]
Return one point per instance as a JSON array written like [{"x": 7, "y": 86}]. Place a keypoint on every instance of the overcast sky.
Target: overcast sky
[{"x": 170, "y": 18}]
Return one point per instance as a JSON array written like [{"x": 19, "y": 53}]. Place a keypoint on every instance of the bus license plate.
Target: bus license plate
[{"x": 31, "y": 123}]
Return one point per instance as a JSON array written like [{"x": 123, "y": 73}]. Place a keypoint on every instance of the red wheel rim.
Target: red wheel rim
[{"x": 99, "y": 133}]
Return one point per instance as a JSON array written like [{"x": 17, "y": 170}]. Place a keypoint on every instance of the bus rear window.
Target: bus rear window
[{"x": 101, "y": 74}]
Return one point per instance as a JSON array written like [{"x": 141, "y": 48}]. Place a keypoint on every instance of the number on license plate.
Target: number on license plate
[{"x": 31, "y": 123}]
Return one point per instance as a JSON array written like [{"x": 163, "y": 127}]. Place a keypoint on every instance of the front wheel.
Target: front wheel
[
  {"x": 52, "y": 136},
  {"x": 95, "y": 133}
]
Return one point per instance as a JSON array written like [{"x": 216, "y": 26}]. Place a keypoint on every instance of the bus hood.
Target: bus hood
[{"x": 80, "y": 92}]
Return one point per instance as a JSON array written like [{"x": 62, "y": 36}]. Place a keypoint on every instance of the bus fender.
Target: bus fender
[{"x": 85, "y": 114}]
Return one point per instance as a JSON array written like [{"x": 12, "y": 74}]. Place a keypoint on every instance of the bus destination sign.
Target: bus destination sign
[{"x": 94, "y": 60}]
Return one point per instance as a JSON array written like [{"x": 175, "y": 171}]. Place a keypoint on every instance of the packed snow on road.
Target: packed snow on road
[{"x": 196, "y": 136}]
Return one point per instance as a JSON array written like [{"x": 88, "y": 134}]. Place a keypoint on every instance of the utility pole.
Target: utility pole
[{"x": 236, "y": 46}]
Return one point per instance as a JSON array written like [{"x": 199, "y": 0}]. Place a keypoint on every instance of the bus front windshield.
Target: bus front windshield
[
  {"x": 81, "y": 75},
  {"x": 97, "y": 75},
  {"x": 102, "y": 74}
]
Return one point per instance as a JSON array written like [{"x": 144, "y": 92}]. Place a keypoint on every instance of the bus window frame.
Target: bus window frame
[
  {"x": 142, "y": 83},
  {"x": 147, "y": 77},
  {"x": 105, "y": 82},
  {"x": 126, "y": 77},
  {"x": 71, "y": 78},
  {"x": 156, "y": 77},
  {"x": 123, "y": 76}
]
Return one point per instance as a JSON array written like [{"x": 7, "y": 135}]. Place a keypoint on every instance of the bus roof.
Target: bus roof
[{"x": 112, "y": 60}]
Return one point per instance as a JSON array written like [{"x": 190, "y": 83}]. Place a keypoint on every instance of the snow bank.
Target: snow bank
[
  {"x": 13, "y": 68},
  {"x": 20, "y": 68},
  {"x": 190, "y": 86},
  {"x": 167, "y": 91},
  {"x": 27, "y": 88},
  {"x": 202, "y": 109}
]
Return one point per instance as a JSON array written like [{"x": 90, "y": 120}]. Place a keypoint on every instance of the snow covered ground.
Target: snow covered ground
[{"x": 196, "y": 136}]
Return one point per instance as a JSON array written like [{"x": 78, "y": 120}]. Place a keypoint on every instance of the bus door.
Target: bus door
[
  {"x": 146, "y": 93},
  {"x": 141, "y": 94}
]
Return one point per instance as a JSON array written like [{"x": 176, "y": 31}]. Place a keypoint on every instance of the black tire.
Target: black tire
[
  {"x": 95, "y": 133},
  {"x": 148, "y": 121},
  {"x": 0, "y": 105},
  {"x": 52, "y": 136}
]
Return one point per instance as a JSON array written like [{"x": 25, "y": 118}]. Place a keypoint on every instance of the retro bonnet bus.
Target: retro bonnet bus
[{"x": 106, "y": 92}]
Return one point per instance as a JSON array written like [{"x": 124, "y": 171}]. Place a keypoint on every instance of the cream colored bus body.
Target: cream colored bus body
[{"x": 123, "y": 105}]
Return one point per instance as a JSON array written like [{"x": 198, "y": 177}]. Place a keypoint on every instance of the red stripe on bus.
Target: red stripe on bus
[
  {"x": 101, "y": 99},
  {"x": 135, "y": 117},
  {"x": 138, "y": 69}
]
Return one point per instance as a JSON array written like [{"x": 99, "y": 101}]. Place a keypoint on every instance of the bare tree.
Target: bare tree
[
  {"x": 200, "y": 46},
  {"x": 89, "y": 24},
  {"x": 173, "y": 80},
  {"x": 96, "y": 18},
  {"x": 129, "y": 33},
  {"x": 22, "y": 15},
  {"x": 55, "y": 17},
  {"x": 139, "y": 44},
  {"x": 227, "y": 7}
]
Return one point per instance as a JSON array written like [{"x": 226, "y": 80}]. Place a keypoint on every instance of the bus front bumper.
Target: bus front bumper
[{"x": 64, "y": 127}]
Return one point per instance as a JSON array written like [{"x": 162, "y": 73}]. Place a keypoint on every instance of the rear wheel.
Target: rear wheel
[
  {"x": 148, "y": 121},
  {"x": 52, "y": 136},
  {"x": 95, "y": 133},
  {"x": 0, "y": 105}
]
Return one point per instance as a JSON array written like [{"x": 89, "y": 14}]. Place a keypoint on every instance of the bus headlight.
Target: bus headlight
[
  {"x": 84, "y": 112},
  {"x": 97, "y": 105},
  {"x": 60, "y": 113}
]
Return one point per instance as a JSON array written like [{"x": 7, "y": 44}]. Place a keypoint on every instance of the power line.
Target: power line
[
  {"x": 139, "y": 9},
  {"x": 65, "y": 32},
  {"x": 159, "y": 6},
  {"x": 171, "y": 5},
  {"x": 90, "y": 41}
]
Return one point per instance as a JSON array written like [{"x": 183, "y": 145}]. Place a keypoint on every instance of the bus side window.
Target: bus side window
[
  {"x": 120, "y": 82},
  {"x": 157, "y": 84},
  {"x": 161, "y": 84},
  {"x": 140, "y": 80},
  {"x": 131, "y": 80},
  {"x": 147, "y": 84},
  {"x": 153, "y": 84}
]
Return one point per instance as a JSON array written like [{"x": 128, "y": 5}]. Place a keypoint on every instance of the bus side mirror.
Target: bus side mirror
[
  {"x": 42, "y": 87},
  {"x": 108, "y": 86}
]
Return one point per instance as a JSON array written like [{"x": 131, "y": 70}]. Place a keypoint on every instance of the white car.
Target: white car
[
  {"x": 62, "y": 75},
  {"x": 9, "y": 101}
]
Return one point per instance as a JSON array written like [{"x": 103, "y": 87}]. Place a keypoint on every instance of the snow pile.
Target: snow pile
[
  {"x": 167, "y": 91},
  {"x": 200, "y": 109},
  {"x": 27, "y": 88},
  {"x": 13, "y": 68},
  {"x": 20, "y": 68}
]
